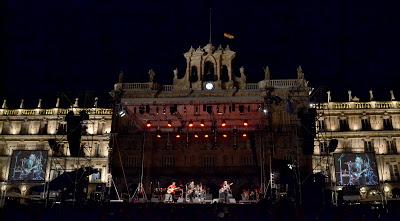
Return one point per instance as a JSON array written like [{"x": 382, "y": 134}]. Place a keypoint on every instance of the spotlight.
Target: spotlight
[
  {"x": 196, "y": 136},
  {"x": 148, "y": 124},
  {"x": 158, "y": 134},
  {"x": 225, "y": 136},
  {"x": 206, "y": 136},
  {"x": 122, "y": 113},
  {"x": 244, "y": 135},
  {"x": 202, "y": 123},
  {"x": 223, "y": 123},
  {"x": 190, "y": 123},
  {"x": 265, "y": 110},
  {"x": 178, "y": 136},
  {"x": 245, "y": 123},
  {"x": 169, "y": 123}
]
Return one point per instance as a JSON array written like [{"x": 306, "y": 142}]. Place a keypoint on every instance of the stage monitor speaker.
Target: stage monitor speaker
[
  {"x": 180, "y": 200},
  {"x": 154, "y": 200},
  {"x": 232, "y": 200}
]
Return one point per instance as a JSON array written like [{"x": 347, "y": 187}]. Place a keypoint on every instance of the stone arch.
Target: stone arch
[
  {"x": 209, "y": 72},
  {"x": 224, "y": 74},
  {"x": 194, "y": 77}
]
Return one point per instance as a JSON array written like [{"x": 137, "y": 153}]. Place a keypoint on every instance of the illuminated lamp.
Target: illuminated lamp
[
  {"x": 169, "y": 123},
  {"x": 148, "y": 124},
  {"x": 158, "y": 133},
  {"x": 196, "y": 136},
  {"x": 244, "y": 135},
  {"x": 223, "y": 123},
  {"x": 206, "y": 136},
  {"x": 178, "y": 136},
  {"x": 190, "y": 123},
  {"x": 225, "y": 136},
  {"x": 245, "y": 123},
  {"x": 202, "y": 123}
]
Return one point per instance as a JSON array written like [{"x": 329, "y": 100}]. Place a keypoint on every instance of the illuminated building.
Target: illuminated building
[
  {"x": 364, "y": 129},
  {"x": 209, "y": 125},
  {"x": 31, "y": 130}
]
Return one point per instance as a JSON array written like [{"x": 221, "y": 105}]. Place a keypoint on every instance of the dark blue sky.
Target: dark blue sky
[{"x": 74, "y": 46}]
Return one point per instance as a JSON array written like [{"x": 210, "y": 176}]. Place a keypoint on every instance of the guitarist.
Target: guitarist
[
  {"x": 225, "y": 190},
  {"x": 170, "y": 192}
]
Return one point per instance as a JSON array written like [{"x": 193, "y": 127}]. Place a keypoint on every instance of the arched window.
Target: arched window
[
  {"x": 193, "y": 74},
  {"x": 209, "y": 73},
  {"x": 224, "y": 74}
]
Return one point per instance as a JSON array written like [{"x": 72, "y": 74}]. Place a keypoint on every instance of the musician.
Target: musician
[
  {"x": 190, "y": 191},
  {"x": 225, "y": 191},
  {"x": 170, "y": 192}
]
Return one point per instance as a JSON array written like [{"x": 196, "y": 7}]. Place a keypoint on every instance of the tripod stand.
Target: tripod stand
[{"x": 140, "y": 189}]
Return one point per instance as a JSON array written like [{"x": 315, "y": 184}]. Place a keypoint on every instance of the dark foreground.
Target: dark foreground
[{"x": 260, "y": 211}]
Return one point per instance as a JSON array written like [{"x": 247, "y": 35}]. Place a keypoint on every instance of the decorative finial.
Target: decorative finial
[
  {"x": 121, "y": 77},
  {"x": 392, "y": 95},
  {"x": 21, "y": 105},
  {"x": 4, "y": 106},
  {"x": 58, "y": 102},
  {"x": 371, "y": 95},
  {"x": 152, "y": 74},
  {"x": 39, "y": 105},
  {"x": 329, "y": 96},
  {"x": 350, "y": 97},
  {"x": 76, "y": 102},
  {"x": 267, "y": 73},
  {"x": 300, "y": 73},
  {"x": 95, "y": 101}
]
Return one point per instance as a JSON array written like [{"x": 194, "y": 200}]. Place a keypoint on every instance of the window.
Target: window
[
  {"x": 387, "y": 124},
  {"x": 391, "y": 145},
  {"x": 321, "y": 125},
  {"x": 366, "y": 124},
  {"x": 323, "y": 147},
  {"x": 96, "y": 177},
  {"x": 368, "y": 146},
  {"x": 394, "y": 172},
  {"x": 209, "y": 161},
  {"x": 344, "y": 125},
  {"x": 168, "y": 161}
]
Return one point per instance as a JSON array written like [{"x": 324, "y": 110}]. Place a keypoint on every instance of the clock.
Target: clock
[{"x": 209, "y": 86}]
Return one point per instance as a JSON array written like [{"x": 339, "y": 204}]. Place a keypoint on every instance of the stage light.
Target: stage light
[
  {"x": 122, "y": 113},
  {"x": 202, "y": 123},
  {"x": 196, "y": 136},
  {"x": 223, "y": 123},
  {"x": 178, "y": 136},
  {"x": 225, "y": 136},
  {"x": 190, "y": 123},
  {"x": 169, "y": 123},
  {"x": 148, "y": 124},
  {"x": 206, "y": 136},
  {"x": 245, "y": 123},
  {"x": 158, "y": 134},
  {"x": 244, "y": 135}
]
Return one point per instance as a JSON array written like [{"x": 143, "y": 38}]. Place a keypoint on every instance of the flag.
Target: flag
[{"x": 228, "y": 36}]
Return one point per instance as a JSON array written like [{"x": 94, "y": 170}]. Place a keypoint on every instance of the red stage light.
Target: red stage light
[
  {"x": 169, "y": 123},
  {"x": 190, "y": 123},
  {"x": 245, "y": 123},
  {"x": 196, "y": 136},
  {"x": 206, "y": 135},
  {"x": 244, "y": 135},
  {"x": 202, "y": 123},
  {"x": 178, "y": 136},
  {"x": 225, "y": 136}
]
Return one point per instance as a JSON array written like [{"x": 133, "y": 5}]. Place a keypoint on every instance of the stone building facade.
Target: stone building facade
[
  {"x": 360, "y": 127},
  {"x": 210, "y": 125},
  {"x": 30, "y": 129}
]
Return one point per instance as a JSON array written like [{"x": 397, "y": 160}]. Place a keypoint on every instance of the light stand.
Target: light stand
[{"x": 140, "y": 189}]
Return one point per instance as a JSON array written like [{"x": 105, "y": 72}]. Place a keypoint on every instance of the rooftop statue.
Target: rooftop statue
[
  {"x": 267, "y": 73},
  {"x": 300, "y": 73}
]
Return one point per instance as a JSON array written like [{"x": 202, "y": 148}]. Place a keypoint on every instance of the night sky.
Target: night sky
[{"x": 77, "y": 48}]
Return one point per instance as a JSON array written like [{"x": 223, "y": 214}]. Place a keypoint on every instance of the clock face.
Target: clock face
[{"x": 209, "y": 86}]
